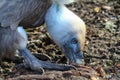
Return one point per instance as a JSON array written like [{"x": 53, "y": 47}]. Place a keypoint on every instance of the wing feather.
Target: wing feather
[{"x": 25, "y": 12}]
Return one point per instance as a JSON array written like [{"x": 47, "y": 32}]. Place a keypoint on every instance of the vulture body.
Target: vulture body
[
  {"x": 27, "y": 13},
  {"x": 16, "y": 14}
]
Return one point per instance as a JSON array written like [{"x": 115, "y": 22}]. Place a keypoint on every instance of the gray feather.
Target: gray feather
[{"x": 26, "y": 12}]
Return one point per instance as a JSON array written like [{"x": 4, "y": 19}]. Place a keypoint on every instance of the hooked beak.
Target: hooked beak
[{"x": 73, "y": 52}]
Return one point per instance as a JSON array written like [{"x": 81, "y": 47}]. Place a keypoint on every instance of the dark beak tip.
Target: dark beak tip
[{"x": 78, "y": 61}]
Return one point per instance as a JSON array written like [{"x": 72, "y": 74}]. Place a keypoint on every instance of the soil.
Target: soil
[{"x": 101, "y": 52}]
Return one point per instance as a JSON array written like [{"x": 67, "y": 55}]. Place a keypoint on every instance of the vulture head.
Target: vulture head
[{"x": 67, "y": 30}]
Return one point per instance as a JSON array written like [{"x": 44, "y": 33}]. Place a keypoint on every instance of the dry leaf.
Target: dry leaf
[
  {"x": 94, "y": 78},
  {"x": 106, "y": 7},
  {"x": 118, "y": 65},
  {"x": 101, "y": 71},
  {"x": 97, "y": 9}
]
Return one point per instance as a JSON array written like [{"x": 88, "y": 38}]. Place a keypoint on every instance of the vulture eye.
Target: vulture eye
[{"x": 74, "y": 41}]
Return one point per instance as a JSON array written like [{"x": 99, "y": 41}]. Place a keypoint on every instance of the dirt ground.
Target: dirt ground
[{"x": 102, "y": 48}]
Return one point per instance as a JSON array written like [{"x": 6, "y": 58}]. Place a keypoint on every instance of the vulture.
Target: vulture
[{"x": 65, "y": 28}]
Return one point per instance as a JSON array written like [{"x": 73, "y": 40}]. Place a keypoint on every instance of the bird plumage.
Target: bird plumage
[
  {"x": 27, "y": 13},
  {"x": 64, "y": 1},
  {"x": 61, "y": 21},
  {"x": 22, "y": 12},
  {"x": 64, "y": 26},
  {"x": 67, "y": 29}
]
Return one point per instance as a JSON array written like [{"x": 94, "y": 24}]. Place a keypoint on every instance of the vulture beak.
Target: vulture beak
[{"x": 71, "y": 47}]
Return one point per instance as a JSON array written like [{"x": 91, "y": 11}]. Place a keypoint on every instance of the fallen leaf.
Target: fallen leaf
[
  {"x": 106, "y": 7},
  {"x": 101, "y": 71},
  {"x": 94, "y": 78},
  {"x": 118, "y": 65},
  {"x": 109, "y": 25},
  {"x": 97, "y": 9}
]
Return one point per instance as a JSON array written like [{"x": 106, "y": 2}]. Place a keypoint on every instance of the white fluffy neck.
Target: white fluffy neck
[
  {"x": 65, "y": 1},
  {"x": 61, "y": 21}
]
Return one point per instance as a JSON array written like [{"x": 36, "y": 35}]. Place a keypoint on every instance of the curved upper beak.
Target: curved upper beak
[
  {"x": 74, "y": 57},
  {"x": 73, "y": 52}
]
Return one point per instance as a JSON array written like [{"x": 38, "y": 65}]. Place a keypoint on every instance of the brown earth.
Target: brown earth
[{"x": 102, "y": 49}]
